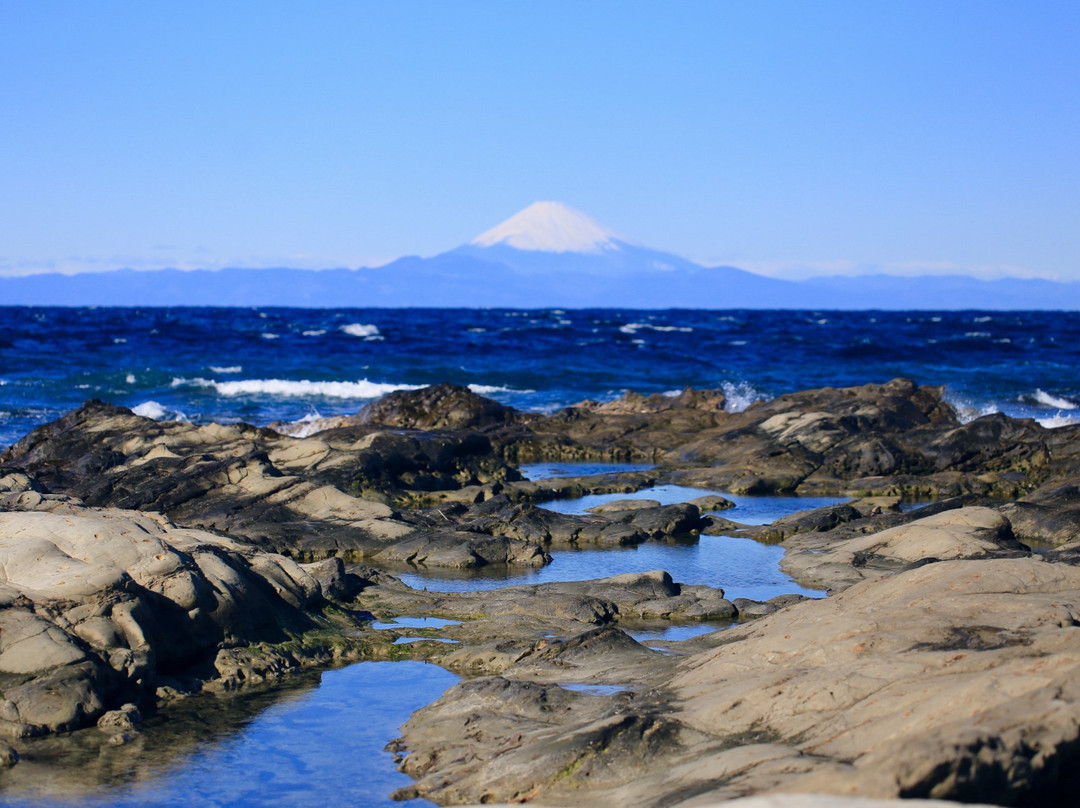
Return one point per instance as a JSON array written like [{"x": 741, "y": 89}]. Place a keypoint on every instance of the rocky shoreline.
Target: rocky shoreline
[{"x": 142, "y": 561}]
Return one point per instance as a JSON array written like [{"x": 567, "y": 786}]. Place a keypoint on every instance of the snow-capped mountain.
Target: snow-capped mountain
[
  {"x": 546, "y": 256},
  {"x": 550, "y": 227}
]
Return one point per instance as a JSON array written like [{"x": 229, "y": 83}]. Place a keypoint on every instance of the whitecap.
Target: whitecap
[
  {"x": 1055, "y": 421},
  {"x": 318, "y": 332},
  {"x": 151, "y": 409},
  {"x": 737, "y": 342},
  {"x": 968, "y": 410},
  {"x": 476, "y": 330},
  {"x": 290, "y": 388},
  {"x": 360, "y": 330},
  {"x": 269, "y": 335},
  {"x": 738, "y": 396},
  {"x": 982, "y": 319},
  {"x": 118, "y": 340},
  {"x": 226, "y": 369},
  {"x": 977, "y": 334},
  {"x": 1050, "y": 400},
  {"x": 489, "y": 389},
  {"x": 130, "y": 378},
  {"x": 633, "y": 328}
]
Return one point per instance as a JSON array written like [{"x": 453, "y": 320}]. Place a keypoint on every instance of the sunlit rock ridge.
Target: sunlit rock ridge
[{"x": 545, "y": 256}]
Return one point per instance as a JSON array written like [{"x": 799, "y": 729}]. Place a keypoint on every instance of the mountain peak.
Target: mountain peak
[{"x": 549, "y": 227}]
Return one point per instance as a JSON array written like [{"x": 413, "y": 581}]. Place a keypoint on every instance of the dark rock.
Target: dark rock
[{"x": 438, "y": 408}]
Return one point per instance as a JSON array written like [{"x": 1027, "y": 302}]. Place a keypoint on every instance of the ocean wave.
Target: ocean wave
[
  {"x": 156, "y": 411},
  {"x": 1050, "y": 400},
  {"x": 360, "y": 330},
  {"x": 1055, "y": 421},
  {"x": 740, "y": 395},
  {"x": 269, "y": 335},
  {"x": 289, "y": 388},
  {"x": 488, "y": 389},
  {"x": 228, "y": 369},
  {"x": 316, "y": 332},
  {"x": 633, "y": 328},
  {"x": 968, "y": 410}
]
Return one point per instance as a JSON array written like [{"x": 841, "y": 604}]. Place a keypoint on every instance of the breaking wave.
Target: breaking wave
[
  {"x": 156, "y": 411},
  {"x": 740, "y": 395},
  {"x": 1050, "y": 400},
  {"x": 361, "y": 389},
  {"x": 488, "y": 389},
  {"x": 360, "y": 330},
  {"x": 633, "y": 328}
]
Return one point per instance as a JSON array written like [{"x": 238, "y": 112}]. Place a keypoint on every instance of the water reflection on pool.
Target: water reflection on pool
[
  {"x": 545, "y": 471},
  {"x": 319, "y": 746},
  {"x": 743, "y": 568}
]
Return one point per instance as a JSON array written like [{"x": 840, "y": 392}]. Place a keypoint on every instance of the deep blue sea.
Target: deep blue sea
[{"x": 264, "y": 365}]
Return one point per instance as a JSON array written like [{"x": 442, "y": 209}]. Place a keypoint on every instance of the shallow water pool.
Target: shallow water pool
[
  {"x": 743, "y": 568},
  {"x": 317, "y": 740}
]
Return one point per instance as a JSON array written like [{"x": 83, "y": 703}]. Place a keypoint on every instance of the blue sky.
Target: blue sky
[{"x": 790, "y": 138}]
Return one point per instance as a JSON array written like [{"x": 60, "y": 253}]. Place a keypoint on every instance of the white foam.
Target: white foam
[
  {"x": 1055, "y": 421},
  {"x": 3, "y": 382},
  {"x": 740, "y": 395},
  {"x": 633, "y": 328},
  {"x": 977, "y": 334},
  {"x": 967, "y": 410},
  {"x": 151, "y": 409},
  {"x": 289, "y": 388},
  {"x": 229, "y": 369},
  {"x": 488, "y": 389},
  {"x": 360, "y": 330},
  {"x": 476, "y": 330},
  {"x": 1049, "y": 400},
  {"x": 737, "y": 342},
  {"x": 119, "y": 340},
  {"x": 982, "y": 319},
  {"x": 304, "y": 427},
  {"x": 318, "y": 332},
  {"x": 268, "y": 335},
  {"x": 130, "y": 378}
]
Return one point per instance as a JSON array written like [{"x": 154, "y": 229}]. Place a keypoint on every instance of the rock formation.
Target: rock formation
[{"x": 143, "y": 560}]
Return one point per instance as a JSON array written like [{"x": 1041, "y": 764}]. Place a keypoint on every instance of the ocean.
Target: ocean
[{"x": 284, "y": 364}]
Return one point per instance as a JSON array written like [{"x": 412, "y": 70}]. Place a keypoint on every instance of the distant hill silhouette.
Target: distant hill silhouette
[{"x": 546, "y": 256}]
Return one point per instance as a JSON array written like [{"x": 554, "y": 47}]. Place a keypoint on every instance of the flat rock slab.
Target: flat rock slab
[{"x": 954, "y": 680}]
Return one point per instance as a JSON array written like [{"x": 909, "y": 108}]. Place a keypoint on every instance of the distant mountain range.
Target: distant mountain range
[{"x": 546, "y": 256}]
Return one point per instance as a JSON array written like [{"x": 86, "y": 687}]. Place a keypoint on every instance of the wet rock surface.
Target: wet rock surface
[{"x": 141, "y": 561}]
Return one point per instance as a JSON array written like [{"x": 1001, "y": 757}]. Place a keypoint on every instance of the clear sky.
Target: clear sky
[{"x": 790, "y": 138}]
